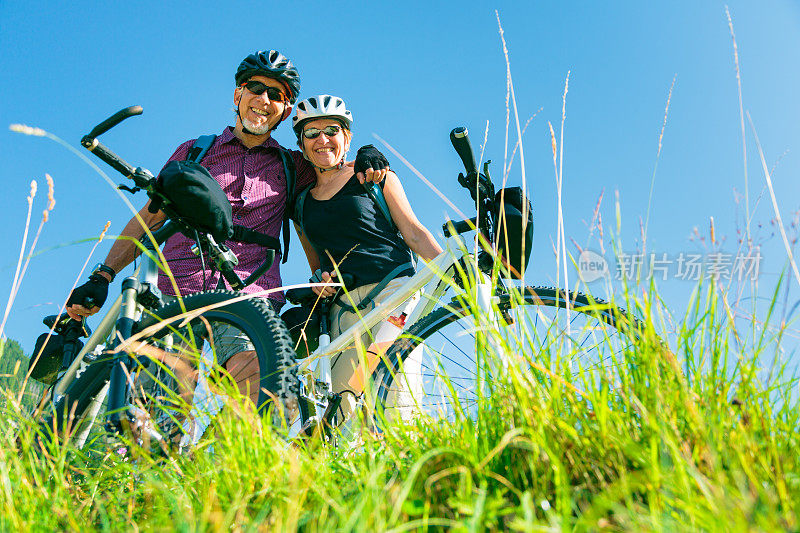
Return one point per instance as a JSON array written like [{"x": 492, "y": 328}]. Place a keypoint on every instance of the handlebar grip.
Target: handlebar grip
[
  {"x": 112, "y": 159},
  {"x": 115, "y": 119},
  {"x": 461, "y": 143},
  {"x": 269, "y": 258},
  {"x": 459, "y": 227}
]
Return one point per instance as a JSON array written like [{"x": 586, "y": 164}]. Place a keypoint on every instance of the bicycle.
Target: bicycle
[
  {"x": 302, "y": 387},
  {"x": 448, "y": 347},
  {"x": 116, "y": 363}
]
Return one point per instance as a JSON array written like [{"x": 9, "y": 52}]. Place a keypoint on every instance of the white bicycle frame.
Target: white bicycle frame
[
  {"x": 432, "y": 279},
  {"x": 147, "y": 273}
]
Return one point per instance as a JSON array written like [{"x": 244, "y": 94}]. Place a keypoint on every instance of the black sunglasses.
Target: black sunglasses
[
  {"x": 329, "y": 131},
  {"x": 258, "y": 88}
]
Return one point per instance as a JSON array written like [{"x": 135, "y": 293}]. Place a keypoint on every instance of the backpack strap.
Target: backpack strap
[
  {"x": 199, "y": 148},
  {"x": 290, "y": 174},
  {"x": 376, "y": 290},
  {"x": 247, "y": 235},
  {"x": 376, "y": 193},
  {"x": 298, "y": 208}
]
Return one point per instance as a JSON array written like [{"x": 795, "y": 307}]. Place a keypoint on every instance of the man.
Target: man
[{"x": 246, "y": 162}]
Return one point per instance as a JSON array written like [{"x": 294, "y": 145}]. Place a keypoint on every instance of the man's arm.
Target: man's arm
[
  {"x": 369, "y": 165},
  {"x": 122, "y": 253}
]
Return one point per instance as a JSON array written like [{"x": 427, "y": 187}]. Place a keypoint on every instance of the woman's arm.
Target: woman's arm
[
  {"x": 311, "y": 253},
  {"x": 314, "y": 263},
  {"x": 417, "y": 236}
]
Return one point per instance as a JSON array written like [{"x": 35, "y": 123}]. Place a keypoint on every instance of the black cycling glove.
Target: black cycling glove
[
  {"x": 369, "y": 157},
  {"x": 92, "y": 293}
]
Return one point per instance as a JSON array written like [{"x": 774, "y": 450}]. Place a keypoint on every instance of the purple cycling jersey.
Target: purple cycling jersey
[{"x": 253, "y": 179}]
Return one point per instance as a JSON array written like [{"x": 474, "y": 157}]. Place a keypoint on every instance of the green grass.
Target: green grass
[{"x": 690, "y": 437}]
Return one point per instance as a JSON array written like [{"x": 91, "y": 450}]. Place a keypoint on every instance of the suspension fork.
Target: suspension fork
[
  {"x": 144, "y": 288},
  {"x": 120, "y": 383},
  {"x": 323, "y": 373},
  {"x": 487, "y": 320}
]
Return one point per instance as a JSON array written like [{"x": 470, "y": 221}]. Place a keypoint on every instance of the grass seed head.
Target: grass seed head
[{"x": 27, "y": 130}]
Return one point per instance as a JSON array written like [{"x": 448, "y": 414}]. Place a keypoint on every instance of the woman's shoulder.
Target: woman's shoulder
[{"x": 351, "y": 186}]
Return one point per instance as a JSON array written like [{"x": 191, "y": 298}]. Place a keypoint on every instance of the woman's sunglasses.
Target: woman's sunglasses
[
  {"x": 256, "y": 87},
  {"x": 329, "y": 131}
]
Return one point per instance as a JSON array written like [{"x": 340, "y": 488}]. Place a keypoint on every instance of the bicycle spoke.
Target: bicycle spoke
[{"x": 451, "y": 377}]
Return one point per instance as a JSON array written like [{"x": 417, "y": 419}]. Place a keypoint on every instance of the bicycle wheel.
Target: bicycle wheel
[
  {"x": 244, "y": 326},
  {"x": 71, "y": 414},
  {"x": 247, "y": 324},
  {"x": 443, "y": 364}
]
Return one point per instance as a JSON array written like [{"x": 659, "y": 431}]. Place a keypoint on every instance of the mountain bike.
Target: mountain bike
[
  {"x": 471, "y": 324},
  {"x": 466, "y": 311},
  {"x": 119, "y": 364}
]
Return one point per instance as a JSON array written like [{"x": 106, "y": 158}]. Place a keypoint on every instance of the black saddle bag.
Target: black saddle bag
[
  {"x": 303, "y": 326},
  {"x": 514, "y": 218},
  {"x": 197, "y": 198},
  {"x": 47, "y": 360}
]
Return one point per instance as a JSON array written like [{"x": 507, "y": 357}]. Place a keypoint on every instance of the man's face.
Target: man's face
[{"x": 257, "y": 112}]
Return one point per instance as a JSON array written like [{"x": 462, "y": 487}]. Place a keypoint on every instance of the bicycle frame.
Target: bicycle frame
[
  {"x": 432, "y": 279},
  {"x": 126, "y": 309}
]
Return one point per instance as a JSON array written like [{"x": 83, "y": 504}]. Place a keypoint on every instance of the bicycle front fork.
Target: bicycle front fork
[{"x": 121, "y": 380}]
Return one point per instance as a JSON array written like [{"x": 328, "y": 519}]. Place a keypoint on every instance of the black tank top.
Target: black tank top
[{"x": 352, "y": 228}]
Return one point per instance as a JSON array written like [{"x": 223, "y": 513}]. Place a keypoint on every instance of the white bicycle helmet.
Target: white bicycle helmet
[{"x": 321, "y": 106}]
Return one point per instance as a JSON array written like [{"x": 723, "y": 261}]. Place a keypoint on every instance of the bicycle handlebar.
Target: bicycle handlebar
[
  {"x": 115, "y": 119},
  {"x": 481, "y": 189},
  {"x": 145, "y": 180},
  {"x": 109, "y": 157},
  {"x": 451, "y": 228},
  {"x": 140, "y": 176},
  {"x": 460, "y": 140}
]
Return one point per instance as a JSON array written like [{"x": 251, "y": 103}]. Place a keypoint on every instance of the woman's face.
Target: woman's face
[{"x": 325, "y": 151}]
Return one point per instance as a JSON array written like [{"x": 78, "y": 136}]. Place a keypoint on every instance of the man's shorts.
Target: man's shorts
[{"x": 228, "y": 340}]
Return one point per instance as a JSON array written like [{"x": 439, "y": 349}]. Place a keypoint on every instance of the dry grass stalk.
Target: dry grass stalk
[
  {"x": 597, "y": 222},
  {"x": 16, "y": 281},
  {"x": 741, "y": 121},
  {"x": 510, "y": 87},
  {"x": 507, "y": 169},
  {"x": 562, "y": 230},
  {"x": 711, "y": 231},
  {"x": 777, "y": 211},
  {"x": 655, "y": 166}
]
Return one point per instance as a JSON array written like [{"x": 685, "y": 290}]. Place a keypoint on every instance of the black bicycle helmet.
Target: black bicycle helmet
[{"x": 271, "y": 64}]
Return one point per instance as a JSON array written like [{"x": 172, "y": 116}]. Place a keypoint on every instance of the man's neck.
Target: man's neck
[{"x": 249, "y": 140}]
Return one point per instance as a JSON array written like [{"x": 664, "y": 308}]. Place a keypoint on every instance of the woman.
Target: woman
[{"x": 344, "y": 228}]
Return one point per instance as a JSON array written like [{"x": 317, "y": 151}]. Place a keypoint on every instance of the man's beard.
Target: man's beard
[{"x": 254, "y": 129}]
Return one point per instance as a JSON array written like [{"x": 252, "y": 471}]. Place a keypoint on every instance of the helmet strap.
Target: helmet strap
[{"x": 337, "y": 167}]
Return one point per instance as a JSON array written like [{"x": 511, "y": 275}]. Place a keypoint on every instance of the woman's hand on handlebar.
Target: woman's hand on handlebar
[{"x": 324, "y": 277}]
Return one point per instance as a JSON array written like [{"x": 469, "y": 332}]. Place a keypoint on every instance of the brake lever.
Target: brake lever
[
  {"x": 132, "y": 190},
  {"x": 477, "y": 183}
]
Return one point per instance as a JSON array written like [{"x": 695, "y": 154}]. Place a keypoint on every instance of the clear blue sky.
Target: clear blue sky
[{"x": 411, "y": 71}]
